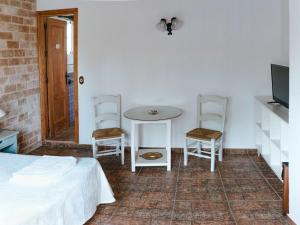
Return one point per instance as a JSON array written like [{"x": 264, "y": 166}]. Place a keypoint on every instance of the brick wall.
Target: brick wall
[{"x": 19, "y": 81}]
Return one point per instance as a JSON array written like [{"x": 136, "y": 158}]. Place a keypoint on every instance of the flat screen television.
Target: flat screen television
[{"x": 280, "y": 84}]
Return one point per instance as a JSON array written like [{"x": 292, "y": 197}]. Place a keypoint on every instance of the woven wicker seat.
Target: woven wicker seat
[
  {"x": 199, "y": 139},
  {"x": 204, "y": 134},
  {"x": 107, "y": 133}
]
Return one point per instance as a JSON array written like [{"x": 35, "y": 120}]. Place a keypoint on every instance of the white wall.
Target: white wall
[
  {"x": 224, "y": 47},
  {"x": 294, "y": 110}
]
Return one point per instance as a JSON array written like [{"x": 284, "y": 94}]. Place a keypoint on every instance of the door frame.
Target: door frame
[{"x": 41, "y": 17}]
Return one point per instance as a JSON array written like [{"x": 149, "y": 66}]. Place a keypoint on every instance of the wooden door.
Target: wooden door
[{"x": 56, "y": 74}]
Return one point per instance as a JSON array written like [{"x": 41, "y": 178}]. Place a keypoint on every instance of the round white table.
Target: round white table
[{"x": 151, "y": 115}]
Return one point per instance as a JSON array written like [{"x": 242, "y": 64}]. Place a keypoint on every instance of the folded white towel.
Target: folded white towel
[{"x": 44, "y": 171}]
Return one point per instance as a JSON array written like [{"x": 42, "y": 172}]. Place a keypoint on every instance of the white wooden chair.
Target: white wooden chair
[
  {"x": 107, "y": 126},
  {"x": 202, "y": 137}
]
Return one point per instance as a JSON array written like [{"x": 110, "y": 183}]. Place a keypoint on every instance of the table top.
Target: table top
[{"x": 153, "y": 113}]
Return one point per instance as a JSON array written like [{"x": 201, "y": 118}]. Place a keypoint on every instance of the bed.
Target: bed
[{"x": 70, "y": 201}]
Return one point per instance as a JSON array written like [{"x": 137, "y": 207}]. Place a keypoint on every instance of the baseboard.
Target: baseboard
[
  {"x": 38, "y": 145},
  {"x": 66, "y": 144},
  {"x": 290, "y": 221},
  {"x": 227, "y": 151},
  {"x": 240, "y": 151}
]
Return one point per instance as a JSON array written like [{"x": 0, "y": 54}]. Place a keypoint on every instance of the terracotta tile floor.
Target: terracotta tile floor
[{"x": 243, "y": 190}]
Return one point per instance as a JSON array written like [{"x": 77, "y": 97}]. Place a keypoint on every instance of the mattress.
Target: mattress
[{"x": 71, "y": 201}]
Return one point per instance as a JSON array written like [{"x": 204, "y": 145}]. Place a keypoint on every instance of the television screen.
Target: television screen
[{"x": 280, "y": 84}]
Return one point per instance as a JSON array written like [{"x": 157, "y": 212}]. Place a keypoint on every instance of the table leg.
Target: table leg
[
  {"x": 168, "y": 144},
  {"x": 137, "y": 137},
  {"x": 133, "y": 146}
]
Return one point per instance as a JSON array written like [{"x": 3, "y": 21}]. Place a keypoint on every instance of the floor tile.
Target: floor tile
[
  {"x": 277, "y": 185},
  {"x": 124, "y": 220},
  {"x": 209, "y": 206},
  {"x": 259, "y": 211},
  {"x": 194, "y": 196},
  {"x": 213, "y": 223},
  {"x": 248, "y": 189},
  {"x": 201, "y": 185},
  {"x": 240, "y": 174},
  {"x": 181, "y": 222},
  {"x": 161, "y": 222},
  {"x": 242, "y": 189}
]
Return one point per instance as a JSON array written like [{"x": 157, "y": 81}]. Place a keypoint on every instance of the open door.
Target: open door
[
  {"x": 58, "y": 70},
  {"x": 56, "y": 48}
]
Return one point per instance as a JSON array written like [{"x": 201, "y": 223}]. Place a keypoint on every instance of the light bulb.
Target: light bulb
[
  {"x": 162, "y": 25},
  {"x": 174, "y": 23}
]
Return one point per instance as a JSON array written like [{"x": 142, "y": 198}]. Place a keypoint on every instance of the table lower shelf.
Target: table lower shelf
[{"x": 140, "y": 161}]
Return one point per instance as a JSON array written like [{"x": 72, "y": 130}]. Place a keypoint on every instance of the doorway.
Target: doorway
[{"x": 57, "y": 42}]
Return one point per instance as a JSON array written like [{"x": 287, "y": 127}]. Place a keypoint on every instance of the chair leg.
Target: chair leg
[
  {"x": 118, "y": 149},
  {"x": 212, "y": 160},
  {"x": 185, "y": 153},
  {"x": 94, "y": 148},
  {"x": 199, "y": 146},
  {"x": 122, "y": 150},
  {"x": 220, "y": 152}
]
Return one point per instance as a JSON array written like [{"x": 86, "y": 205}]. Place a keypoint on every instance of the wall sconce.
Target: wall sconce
[{"x": 165, "y": 25}]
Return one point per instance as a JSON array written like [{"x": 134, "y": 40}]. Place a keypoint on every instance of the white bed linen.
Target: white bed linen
[
  {"x": 44, "y": 171},
  {"x": 71, "y": 201}
]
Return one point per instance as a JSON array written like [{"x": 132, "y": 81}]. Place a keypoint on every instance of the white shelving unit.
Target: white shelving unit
[{"x": 272, "y": 124}]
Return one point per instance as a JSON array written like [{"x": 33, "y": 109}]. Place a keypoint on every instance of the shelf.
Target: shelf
[
  {"x": 267, "y": 133},
  {"x": 272, "y": 133},
  {"x": 277, "y": 169},
  {"x": 276, "y": 142},
  {"x": 259, "y": 125},
  {"x": 285, "y": 153},
  {"x": 267, "y": 157},
  {"x": 280, "y": 111},
  {"x": 157, "y": 162},
  {"x": 259, "y": 149},
  {"x": 258, "y": 146}
]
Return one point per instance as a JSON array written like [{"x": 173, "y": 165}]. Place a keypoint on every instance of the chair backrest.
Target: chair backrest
[
  {"x": 106, "y": 111},
  {"x": 212, "y": 112}
]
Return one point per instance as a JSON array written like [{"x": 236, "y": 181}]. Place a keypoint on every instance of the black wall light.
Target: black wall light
[{"x": 169, "y": 26}]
